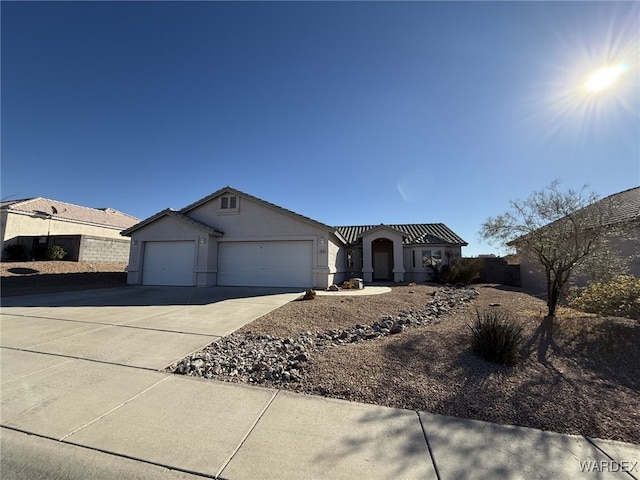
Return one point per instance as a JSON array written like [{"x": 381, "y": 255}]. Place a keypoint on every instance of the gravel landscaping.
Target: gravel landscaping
[{"x": 410, "y": 349}]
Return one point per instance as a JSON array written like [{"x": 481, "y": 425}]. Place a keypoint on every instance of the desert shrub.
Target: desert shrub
[
  {"x": 618, "y": 297},
  {"x": 54, "y": 252},
  {"x": 461, "y": 270},
  {"x": 15, "y": 252},
  {"x": 495, "y": 336}
]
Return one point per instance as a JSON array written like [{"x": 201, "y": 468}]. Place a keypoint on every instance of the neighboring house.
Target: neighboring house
[
  {"x": 626, "y": 211},
  {"x": 86, "y": 234},
  {"x": 233, "y": 238}
]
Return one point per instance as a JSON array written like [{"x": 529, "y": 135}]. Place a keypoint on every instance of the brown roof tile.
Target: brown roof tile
[
  {"x": 107, "y": 217},
  {"x": 415, "y": 233}
]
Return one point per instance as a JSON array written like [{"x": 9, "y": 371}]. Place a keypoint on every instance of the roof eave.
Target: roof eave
[
  {"x": 260, "y": 201},
  {"x": 177, "y": 215}
]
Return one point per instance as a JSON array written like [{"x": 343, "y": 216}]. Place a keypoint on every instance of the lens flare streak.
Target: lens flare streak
[{"x": 605, "y": 78}]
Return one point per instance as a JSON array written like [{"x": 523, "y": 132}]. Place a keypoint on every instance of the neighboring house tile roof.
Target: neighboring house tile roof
[
  {"x": 626, "y": 206},
  {"x": 38, "y": 206},
  {"x": 621, "y": 208},
  {"x": 180, "y": 216},
  {"x": 415, "y": 233}
]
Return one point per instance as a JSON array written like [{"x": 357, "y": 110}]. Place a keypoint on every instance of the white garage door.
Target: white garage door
[
  {"x": 168, "y": 263},
  {"x": 266, "y": 264}
]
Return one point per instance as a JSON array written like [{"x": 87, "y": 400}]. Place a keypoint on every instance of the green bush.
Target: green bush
[
  {"x": 460, "y": 270},
  {"x": 619, "y": 297},
  {"x": 55, "y": 252},
  {"x": 496, "y": 337},
  {"x": 16, "y": 252}
]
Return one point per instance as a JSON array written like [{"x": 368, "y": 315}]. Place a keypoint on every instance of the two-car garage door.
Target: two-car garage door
[
  {"x": 259, "y": 264},
  {"x": 266, "y": 264}
]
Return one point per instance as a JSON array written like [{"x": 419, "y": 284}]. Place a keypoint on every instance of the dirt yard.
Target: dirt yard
[
  {"x": 583, "y": 379},
  {"x": 22, "y": 278}
]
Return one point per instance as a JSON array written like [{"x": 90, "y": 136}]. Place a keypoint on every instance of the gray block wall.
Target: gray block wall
[
  {"x": 79, "y": 248},
  {"x": 497, "y": 270},
  {"x": 103, "y": 250}
]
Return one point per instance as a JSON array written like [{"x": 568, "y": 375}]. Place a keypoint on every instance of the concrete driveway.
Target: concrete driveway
[
  {"x": 80, "y": 398},
  {"x": 144, "y": 327}
]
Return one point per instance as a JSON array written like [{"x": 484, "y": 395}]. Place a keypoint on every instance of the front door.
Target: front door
[{"x": 381, "y": 266}]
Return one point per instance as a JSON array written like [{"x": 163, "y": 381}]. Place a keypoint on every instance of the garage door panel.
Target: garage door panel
[
  {"x": 168, "y": 263},
  {"x": 266, "y": 264}
]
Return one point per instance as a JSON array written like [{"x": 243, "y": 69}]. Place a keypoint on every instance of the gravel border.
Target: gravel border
[{"x": 583, "y": 380}]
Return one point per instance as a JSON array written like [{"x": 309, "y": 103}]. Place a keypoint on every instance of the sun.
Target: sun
[{"x": 605, "y": 78}]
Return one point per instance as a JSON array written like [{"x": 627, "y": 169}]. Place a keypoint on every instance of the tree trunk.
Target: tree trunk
[
  {"x": 554, "y": 289},
  {"x": 547, "y": 323}
]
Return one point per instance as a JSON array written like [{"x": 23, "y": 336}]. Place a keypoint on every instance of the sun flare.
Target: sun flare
[{"x": 605, "y": 78}]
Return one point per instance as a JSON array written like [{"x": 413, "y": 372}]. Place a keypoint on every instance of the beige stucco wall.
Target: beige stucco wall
[
  {"x": 630, "y": 248},
  {"x": 251, "y": 222},
  {"x": 336, "y": 261},
  {"x": 397, "y": 253},
  {"x": 3, "y": 224},
  {"x": 420, "y": 273},
  {"x": 411, "y": 273},
  {"x": 16, "y": 224},
  {"x": 256, "y": 222},
  {"x": 534, "y": 280},
  {"x": 168, "y": 229}
]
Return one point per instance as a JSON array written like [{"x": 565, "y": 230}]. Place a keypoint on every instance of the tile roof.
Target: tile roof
[
  {"x": 423, "y": 233},
  {"x": 626, "y": 205},
  {"x": 620, "y": 208},
  {"x": 107, "y": 217},
  {"x": 416, "y": 233}
]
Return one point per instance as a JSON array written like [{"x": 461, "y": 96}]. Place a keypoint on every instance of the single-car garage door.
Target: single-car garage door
[
  {"x": 168, "y": 263},
  {"x": 266, "y": 264}
]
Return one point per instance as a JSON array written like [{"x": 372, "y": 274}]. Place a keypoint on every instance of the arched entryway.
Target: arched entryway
[
  {"x": 382, "y": 254},
  {"x": 382, "y": 259}
]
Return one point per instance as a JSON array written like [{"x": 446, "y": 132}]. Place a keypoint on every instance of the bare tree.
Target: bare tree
[{"x": 565, "y": 232}]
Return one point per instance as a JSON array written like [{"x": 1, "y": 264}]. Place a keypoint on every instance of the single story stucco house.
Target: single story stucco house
[
  {"x": 87, "y": 234},
  {"x": 233, "y": 238},
  {"x": 625, "y": 212}
]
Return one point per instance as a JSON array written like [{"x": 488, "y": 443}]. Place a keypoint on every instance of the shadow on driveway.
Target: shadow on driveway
[{"x": 143, "y": 296}]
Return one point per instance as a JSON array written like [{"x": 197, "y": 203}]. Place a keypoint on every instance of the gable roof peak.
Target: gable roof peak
[
  {"x": 170, "y": 212},
  {"x": 253, "y": 198}
]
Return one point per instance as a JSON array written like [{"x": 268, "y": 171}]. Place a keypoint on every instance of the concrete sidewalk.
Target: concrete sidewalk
[
  {"x": 230, "y": 431},
  {"x": 81, "y": 398},
  {"x": 236, "y": 432}
]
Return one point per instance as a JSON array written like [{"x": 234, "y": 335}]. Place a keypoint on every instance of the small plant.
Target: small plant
[
  {"x": 618, "y": 297},
  {"x": 347, "y": 284},
  {"x": 496, "y": 337},
  {"x": 461, "y": 270},
  {"x": 54, "y": 252},
  {"x": 309, "y": 294},
  {"x": 15, "y": 252}
]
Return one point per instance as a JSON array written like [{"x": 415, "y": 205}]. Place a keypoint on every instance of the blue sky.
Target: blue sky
[{"x": 350, "y": 113}]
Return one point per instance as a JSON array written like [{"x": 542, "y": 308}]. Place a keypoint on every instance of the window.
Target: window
[
  {"x": 413, "y": 258},
  {"x": 351, "y": 259},
  {"x": 228, "y": 202},
  {"x": 431, "y": 258}
]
